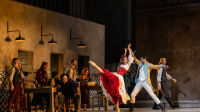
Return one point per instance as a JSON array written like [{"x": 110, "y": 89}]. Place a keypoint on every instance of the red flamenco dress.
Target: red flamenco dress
[{"x": 113, "y": 85}]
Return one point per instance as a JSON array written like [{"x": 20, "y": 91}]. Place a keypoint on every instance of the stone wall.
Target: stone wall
[
  {"x": 29, "y": 19},
  {"x": 172, "y": 33}
]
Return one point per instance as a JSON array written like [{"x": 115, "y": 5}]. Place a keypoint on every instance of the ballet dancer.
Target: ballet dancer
[{"x": 112, "y": 83}]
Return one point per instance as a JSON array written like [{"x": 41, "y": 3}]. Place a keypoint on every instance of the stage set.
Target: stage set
[
  {"x": 99, "y": 55},
  {"x": 149, "y": 110}
]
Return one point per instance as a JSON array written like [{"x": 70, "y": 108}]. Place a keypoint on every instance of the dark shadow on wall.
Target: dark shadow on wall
[{"x": 175, "y": 92}]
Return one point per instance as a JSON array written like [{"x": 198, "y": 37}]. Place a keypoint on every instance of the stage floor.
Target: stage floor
[{"x": 150, "y": 110}]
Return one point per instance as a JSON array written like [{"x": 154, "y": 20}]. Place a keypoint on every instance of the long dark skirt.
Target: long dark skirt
[{"x": 84, "y": 96}]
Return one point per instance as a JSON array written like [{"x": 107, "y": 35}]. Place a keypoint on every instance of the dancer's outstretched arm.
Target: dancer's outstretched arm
[
  {"x": 152, "y": 66},
  {"x": 136, "y": 60},
  {"x": 96, "y": 66},
  {"x": 169, "y": 77}
]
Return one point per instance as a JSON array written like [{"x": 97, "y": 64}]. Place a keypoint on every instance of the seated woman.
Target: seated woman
[
  {"x": 84, "y": 78},
  {"x": 69, "y": 89},
  {"x": 42, "y": 80}
]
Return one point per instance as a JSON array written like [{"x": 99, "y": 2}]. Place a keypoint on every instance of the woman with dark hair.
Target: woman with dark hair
[
  {"x": 41, "y": 75},
  {"x": 42, "y": 80},
  {"x": 113, "y": 84},
  {"x": 84, "y": 78}
]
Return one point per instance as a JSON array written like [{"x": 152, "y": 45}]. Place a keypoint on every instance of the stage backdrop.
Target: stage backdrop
[{"x": 173, "y": 33}]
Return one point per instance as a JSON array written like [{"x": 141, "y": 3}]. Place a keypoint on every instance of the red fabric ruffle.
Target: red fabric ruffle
[
  {"x": 111, "y": 85},
  {"x": 121, "y": 71}
]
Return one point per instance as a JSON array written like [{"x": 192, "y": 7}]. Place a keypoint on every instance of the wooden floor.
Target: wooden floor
[{"x": 150, "y": 110}]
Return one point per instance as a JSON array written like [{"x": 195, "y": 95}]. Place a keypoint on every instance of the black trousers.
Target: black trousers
[
  {"x": 75, "y": 101},
  {"x": 164, "y": 92},
  {"x": 38, "y": 99}
]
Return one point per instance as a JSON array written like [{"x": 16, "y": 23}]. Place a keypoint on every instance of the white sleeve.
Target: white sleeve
[
  {"x": 130, "y": 60},
  {"x": 169, "y": 77},
  {"x": 12, "y": 73},
  {"x": 159, "y": 74}
]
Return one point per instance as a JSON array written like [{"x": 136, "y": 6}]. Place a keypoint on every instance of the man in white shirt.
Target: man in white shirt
[
  {"x": 143, "y": 80},
  {"x": 72, "y": 71},
  {"x": 142, "y": 76}
]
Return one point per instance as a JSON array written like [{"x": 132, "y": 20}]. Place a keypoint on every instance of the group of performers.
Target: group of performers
[
  {"x": 66, "y": 84},
  {"x": 113, "y": 84}
]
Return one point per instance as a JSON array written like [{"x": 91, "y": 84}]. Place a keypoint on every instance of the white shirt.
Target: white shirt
[
  {"x": 142, "y": 75},
  {"x": 12, "y": 73},
  {"x": 130, "y": 61},
  {"x": 159, "y": 75}
]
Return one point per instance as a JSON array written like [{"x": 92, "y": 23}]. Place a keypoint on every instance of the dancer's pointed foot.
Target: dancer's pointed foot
[
  {"x": 92, "y": 63},
  {"x": 96, "y": 66}
]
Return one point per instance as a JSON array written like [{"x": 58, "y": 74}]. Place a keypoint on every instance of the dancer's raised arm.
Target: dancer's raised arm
[
  {"x": 135, "y": 59},
  {"x": 125, "y": 51},
  {"x": 130, "y": 57}
]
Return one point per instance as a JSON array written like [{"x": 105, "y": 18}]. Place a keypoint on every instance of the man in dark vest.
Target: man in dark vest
[
  {"x": 16, "y": 81},
  {"x": 161, "y": 83}
]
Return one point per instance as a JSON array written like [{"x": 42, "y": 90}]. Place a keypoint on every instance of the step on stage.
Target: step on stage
[{"x": 150, "y": 110}]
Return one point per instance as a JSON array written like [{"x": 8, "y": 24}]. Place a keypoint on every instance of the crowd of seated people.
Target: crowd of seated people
[{"x": 68, "y": 84}]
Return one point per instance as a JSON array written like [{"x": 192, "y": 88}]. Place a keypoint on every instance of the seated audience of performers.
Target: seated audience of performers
[
  {"x": 84, "y": 78},
  {"x": 16, "y": 83},
  {"x": 42, "y": 80},
  {"x": 69, "y": 89},
  {"x": 72, "y": 71}
]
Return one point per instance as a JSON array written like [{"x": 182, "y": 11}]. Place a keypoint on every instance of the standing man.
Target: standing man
[
  {"x": 16, "y": 80},
  {"x": 161, "y": 84},
  {"x": 143, "y": 80},
  {"x": 72, "y": 71}
]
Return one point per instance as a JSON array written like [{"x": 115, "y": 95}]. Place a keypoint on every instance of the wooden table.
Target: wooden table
[{"x": 50, "y": 90}]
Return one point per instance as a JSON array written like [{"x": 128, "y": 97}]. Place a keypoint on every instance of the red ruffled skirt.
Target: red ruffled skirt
[{"x": 111, "y": 85}]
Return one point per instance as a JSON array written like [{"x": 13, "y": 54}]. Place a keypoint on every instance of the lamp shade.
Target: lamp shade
[
  {"x": 81, "y": 45},
  {"x": 7, "y": 39},
  {"x": 52, "y": 42},
  {"x": 20, "y": 39},
  {"x": 41, "y": 42}
]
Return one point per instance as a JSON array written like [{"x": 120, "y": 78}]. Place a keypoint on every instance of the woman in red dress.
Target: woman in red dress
[{"x": 112, "y": 83}]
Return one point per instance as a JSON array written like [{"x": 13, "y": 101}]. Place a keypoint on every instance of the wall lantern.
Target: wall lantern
[
  {"x": 51, "y": 42},
  {"x": 18, "y": 39},
  {"x": 81, "y": 44}
]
